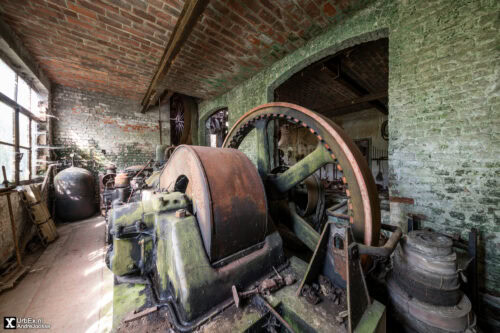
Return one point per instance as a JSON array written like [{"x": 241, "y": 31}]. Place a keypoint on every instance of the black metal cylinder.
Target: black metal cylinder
[{"x": 75, "y": 194}]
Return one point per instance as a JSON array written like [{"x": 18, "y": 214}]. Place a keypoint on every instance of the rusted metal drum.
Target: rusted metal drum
[
  {"x": 418, "y": 316},
  {"x": 228, "y": 197},
  {"x": 423, "y": 286},
  {"x": 425, "y": 267},
  {"x": 122, "y": 180},
  {"x": 75, "y": 194}
]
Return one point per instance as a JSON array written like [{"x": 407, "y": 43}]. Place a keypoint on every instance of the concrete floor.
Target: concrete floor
[{"x": 69, "y": 287}]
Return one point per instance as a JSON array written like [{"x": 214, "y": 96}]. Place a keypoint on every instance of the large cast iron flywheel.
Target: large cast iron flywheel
[
  {"x": 225, "y": 189},
  {"x": 334, "y": 146}
]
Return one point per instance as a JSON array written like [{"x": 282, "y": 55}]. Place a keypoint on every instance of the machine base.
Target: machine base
[{"x": 302, "y": 316}]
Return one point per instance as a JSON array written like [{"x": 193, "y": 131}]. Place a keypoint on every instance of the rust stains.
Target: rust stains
[{"x": 329, "y": 10}]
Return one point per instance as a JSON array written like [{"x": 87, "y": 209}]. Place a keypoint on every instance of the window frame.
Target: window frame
[{"x": 16, "y": 143}]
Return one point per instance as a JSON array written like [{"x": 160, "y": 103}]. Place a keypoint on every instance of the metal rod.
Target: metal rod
[
  {"x": 337, "y": 206},
  {"x": 275, "y": 313},
  {"x": 12, "y": 223},
  {"x": 338, "y": 215},
  {"x": 388, "y": 248}
]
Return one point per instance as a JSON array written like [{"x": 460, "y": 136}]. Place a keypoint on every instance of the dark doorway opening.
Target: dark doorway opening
[
  {"x": 216, "y": 128},
  {"x": 350, "y": 88}
]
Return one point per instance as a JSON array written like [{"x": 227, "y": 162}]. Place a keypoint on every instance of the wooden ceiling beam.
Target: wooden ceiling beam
[
  {"x": 353, "y": 84},
  {"x": 334, "y": 109},
  {"x": 185, "y": 23}
]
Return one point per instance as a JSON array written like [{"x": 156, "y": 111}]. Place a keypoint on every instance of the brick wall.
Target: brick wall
[
  {"x": 99, "y": 129},
  {"x": 104, "y": 129},
  {"x": 443, "y": 109},
  {"x": 444, "y": 120}
]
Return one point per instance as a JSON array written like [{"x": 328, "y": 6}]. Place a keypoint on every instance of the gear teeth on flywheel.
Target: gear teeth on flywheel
[{"x": 250, "y": 124}]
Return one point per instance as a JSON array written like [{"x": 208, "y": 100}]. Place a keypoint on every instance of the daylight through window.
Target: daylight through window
[{"x": 19, "y": 110}]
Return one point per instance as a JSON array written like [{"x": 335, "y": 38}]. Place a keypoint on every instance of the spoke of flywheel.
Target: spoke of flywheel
[
  {"x": 263, "y": 164},
  {"x": 302, "y": 169}
]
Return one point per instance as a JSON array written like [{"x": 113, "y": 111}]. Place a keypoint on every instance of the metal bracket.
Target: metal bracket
[{"x": 346, "y": 266}]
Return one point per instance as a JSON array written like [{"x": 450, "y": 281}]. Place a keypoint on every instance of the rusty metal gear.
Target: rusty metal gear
[{"x": 334, "y": 146}]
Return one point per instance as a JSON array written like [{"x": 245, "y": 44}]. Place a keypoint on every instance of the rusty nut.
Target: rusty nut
[{"x": 180, "y": 213}]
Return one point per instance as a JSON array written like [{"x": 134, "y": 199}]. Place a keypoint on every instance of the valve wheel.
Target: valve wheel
[{"x": 334, "y": 146}]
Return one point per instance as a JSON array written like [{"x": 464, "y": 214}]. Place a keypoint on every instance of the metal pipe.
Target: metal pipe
[
  {"x": 183, "y": 326},
  {"x": 144, "y": 167},
  {"x": 275, "y": 313},
  {"x": 388, "y": 248}
]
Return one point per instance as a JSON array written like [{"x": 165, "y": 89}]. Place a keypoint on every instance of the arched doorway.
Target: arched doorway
[{"x": 349, "y": 87}]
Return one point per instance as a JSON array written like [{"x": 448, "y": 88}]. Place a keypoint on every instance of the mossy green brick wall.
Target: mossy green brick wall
[
  {"x": 443, "y": 108},
  {"x": 101, "y": 129}
]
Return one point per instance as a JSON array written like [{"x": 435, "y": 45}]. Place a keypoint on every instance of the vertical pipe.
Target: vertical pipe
[
  {"x": 159, "y": 119},
  {"x": 473, "y": 270}
]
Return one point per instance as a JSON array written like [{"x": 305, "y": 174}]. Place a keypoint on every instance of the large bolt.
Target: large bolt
[{"x": 180, "y": 213}]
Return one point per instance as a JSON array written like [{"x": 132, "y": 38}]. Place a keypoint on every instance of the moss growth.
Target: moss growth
[
  {"x": 122, "y": 261},
  {"x": 127, "y": 298}
]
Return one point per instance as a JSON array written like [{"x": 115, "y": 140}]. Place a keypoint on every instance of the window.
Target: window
[
  {"x": 23, "y": 94},
  {"x": 7, "y": 81},
  {"x": 19, "y": 111}
]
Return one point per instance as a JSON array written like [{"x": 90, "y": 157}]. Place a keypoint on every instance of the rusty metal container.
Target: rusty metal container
[
  {"x": 122, "y": 180},
  {"x": 75, "y": 194},
  {"x": 228, "y": 196}
]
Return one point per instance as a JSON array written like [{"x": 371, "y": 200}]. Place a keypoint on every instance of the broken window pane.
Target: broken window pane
[
  {"x": 7, "y": 80},
  {"x": 23, "y": 93}
]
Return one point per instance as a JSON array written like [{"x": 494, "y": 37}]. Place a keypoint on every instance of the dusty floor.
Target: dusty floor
[{"x": 69, "y": 287}]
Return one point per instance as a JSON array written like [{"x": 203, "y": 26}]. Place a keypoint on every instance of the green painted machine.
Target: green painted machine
[{"x": 214, "y": 238}]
